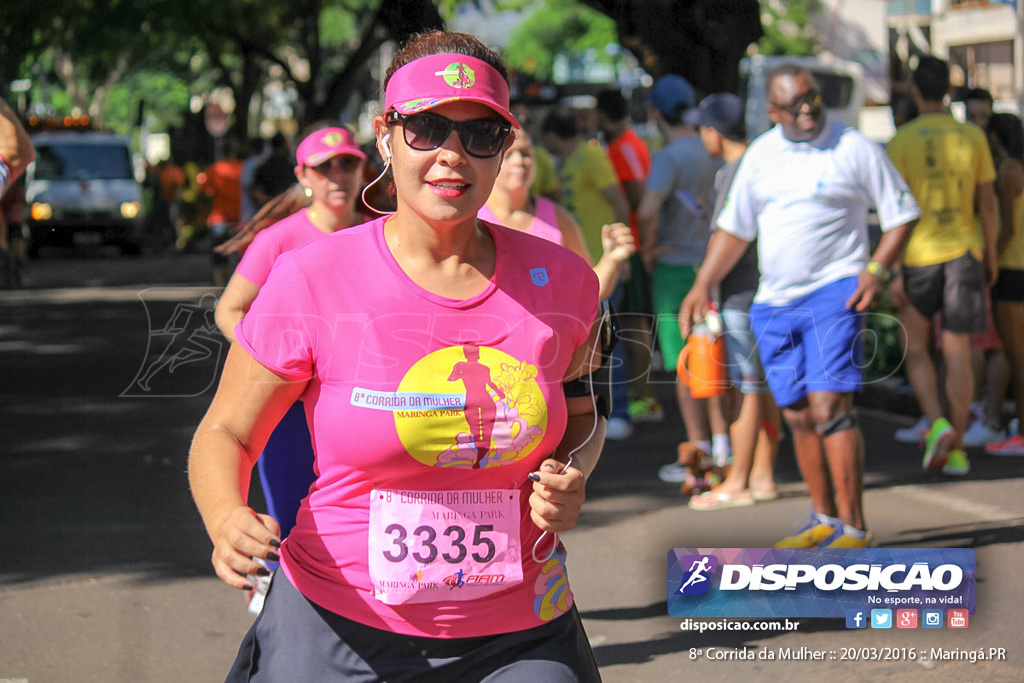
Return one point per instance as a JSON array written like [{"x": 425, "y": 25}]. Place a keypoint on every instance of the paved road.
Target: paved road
[{"x": 104, "y": 572}]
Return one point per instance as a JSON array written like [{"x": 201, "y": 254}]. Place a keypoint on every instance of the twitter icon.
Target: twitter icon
[{"x": 881, "y": 618}]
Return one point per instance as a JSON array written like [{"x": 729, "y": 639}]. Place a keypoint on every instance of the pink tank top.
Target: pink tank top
[{"x": 543, "y": 225}]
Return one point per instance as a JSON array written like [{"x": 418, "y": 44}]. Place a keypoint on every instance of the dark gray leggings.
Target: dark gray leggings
[{"x": 293, "y": 640}]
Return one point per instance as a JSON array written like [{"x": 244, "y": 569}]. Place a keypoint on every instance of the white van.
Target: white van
[
  {"x": 841, "y": 82},
  {"x": 82, "y": 190}
]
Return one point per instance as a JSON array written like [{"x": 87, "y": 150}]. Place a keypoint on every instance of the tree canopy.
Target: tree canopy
[
  {"x": 105, "y": 57},
  {"x": 558, "y": 27},
  {"x": 788, "y": 29}
]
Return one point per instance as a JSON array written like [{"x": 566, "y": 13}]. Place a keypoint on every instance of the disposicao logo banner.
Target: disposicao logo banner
[{"x": 776, "y": 582}]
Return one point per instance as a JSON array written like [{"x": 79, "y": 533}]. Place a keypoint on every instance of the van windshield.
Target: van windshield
[
  {"x": 83, "y": 162},
  {"x": 836, "y": 89}
]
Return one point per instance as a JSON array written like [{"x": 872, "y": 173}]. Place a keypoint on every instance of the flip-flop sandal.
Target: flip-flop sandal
[
  {"x": 715, "y": 500},
  {"x": 761, "y": 496}
]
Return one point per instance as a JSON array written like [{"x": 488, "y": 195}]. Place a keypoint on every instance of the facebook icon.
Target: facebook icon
[{"x": 855, "y": 618}]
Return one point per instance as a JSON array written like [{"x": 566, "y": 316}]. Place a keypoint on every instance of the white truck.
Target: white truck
[{"x": 83, "y": 190}]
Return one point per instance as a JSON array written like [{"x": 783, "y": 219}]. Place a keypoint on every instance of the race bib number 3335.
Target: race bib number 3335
[{"x": 429, "y": 546}]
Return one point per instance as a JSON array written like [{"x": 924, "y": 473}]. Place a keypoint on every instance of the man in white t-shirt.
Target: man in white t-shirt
[{"x": 803, "y": 190}]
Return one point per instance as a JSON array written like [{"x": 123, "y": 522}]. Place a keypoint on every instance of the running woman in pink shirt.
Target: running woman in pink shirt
[{"x": 415, "y": 555}]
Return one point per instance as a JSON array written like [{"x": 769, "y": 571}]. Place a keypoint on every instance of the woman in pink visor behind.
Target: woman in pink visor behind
[
  {"x": 328, "y": 171},
  {"x": 441, "y": 361}
]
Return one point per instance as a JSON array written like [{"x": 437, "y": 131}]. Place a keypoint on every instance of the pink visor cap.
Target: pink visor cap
[
  {"x": 429, "y": 82},
  {"x": 323, "y": 145}
]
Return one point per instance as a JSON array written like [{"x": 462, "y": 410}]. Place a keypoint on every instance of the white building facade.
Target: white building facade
[{"x": 982, "y": 39}]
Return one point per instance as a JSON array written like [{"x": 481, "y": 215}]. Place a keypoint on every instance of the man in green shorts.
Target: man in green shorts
[{"x": 672, "y": 222}]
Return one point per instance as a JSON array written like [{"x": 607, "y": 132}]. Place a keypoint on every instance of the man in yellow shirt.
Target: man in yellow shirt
[
  {"x": 590, "y": 188},
  {"x": 948, "y": 262}
]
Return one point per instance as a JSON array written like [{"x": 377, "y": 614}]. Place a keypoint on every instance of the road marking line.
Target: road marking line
[
  {"x": 982, "y": 511},
  {"x": 117, "y": 294},
  {"x": 886, "y": 416}
]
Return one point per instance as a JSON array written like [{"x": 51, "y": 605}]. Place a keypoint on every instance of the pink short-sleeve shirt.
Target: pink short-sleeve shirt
[{"x": 426, "y": 416}]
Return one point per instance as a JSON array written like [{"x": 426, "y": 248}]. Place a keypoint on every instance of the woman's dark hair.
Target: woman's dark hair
[
  {"x": 283, "y": 205},
  {"x": 904, "y": 109},
  {"x": 1009, "y": 132},
  {"x": 561, "y": 123},
  {"x": 980, "y": 94},
  {"x": 612, "y": 104},
  {"x": 422, "y": 45}
]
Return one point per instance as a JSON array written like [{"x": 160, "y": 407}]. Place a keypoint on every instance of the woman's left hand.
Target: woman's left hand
[{"x": 557, "y": 497}]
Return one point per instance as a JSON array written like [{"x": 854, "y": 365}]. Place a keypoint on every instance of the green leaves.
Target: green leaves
[
  {"x": 787, "y": 27},
  {"x": 559, "y": 27}
]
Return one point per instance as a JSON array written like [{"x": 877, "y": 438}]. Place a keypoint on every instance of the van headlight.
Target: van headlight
[
  {"x": 130, "y": 209},
  {"x": 41, "y": 211}
]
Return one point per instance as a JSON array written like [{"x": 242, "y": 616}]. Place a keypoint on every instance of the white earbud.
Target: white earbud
[{"x": 384, "y": 141}]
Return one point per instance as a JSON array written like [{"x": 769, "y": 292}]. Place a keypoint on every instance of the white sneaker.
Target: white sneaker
[
  {"x": 673, "y": 473},
  {"x": 980, "y": 434},
  {"x": 914, "y": 434},
  {"x": 618, "y": 429}
]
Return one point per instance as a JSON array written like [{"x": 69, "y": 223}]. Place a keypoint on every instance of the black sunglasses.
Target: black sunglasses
[
  {"x": 481, "y": 138},
  {"x": 811, "y": 97},
  {"x": 345, "y": 163}
]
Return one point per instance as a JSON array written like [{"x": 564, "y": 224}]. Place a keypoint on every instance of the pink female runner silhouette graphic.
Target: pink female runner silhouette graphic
[{"x": 480, "y": 409}]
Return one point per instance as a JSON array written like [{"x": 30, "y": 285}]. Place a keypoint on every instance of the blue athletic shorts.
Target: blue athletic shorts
[
  {"x": 286, "y": 467},
  {"x": 812, "y": 344},
  {"x": 744, "y": 363}
]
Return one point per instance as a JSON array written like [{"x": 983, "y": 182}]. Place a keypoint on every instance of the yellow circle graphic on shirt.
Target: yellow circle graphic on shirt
[{"x": 471, "y": 407}]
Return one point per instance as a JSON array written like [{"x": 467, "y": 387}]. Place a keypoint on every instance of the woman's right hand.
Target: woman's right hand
[
  {"x": 243, "y": 535},
  {"x": 693, "y": 308}
]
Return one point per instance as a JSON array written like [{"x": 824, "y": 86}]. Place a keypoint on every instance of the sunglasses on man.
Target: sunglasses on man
[{"x": 796, "y": 105}]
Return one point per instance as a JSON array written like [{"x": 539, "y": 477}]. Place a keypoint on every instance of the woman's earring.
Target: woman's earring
[{"x": 308, "y": 191}]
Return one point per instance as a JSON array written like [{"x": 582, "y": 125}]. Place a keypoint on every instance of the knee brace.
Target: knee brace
[{"x": 839, "y": 423}]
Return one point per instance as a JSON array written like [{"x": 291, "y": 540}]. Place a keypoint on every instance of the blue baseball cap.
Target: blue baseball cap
[
  {"x": 670, "y": 94},
  {"x": 722, "y": 111}
]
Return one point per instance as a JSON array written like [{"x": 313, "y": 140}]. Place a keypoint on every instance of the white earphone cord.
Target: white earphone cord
[
  {"x": 605, "y": 318},
  {"x": 387, "y": 165}
]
